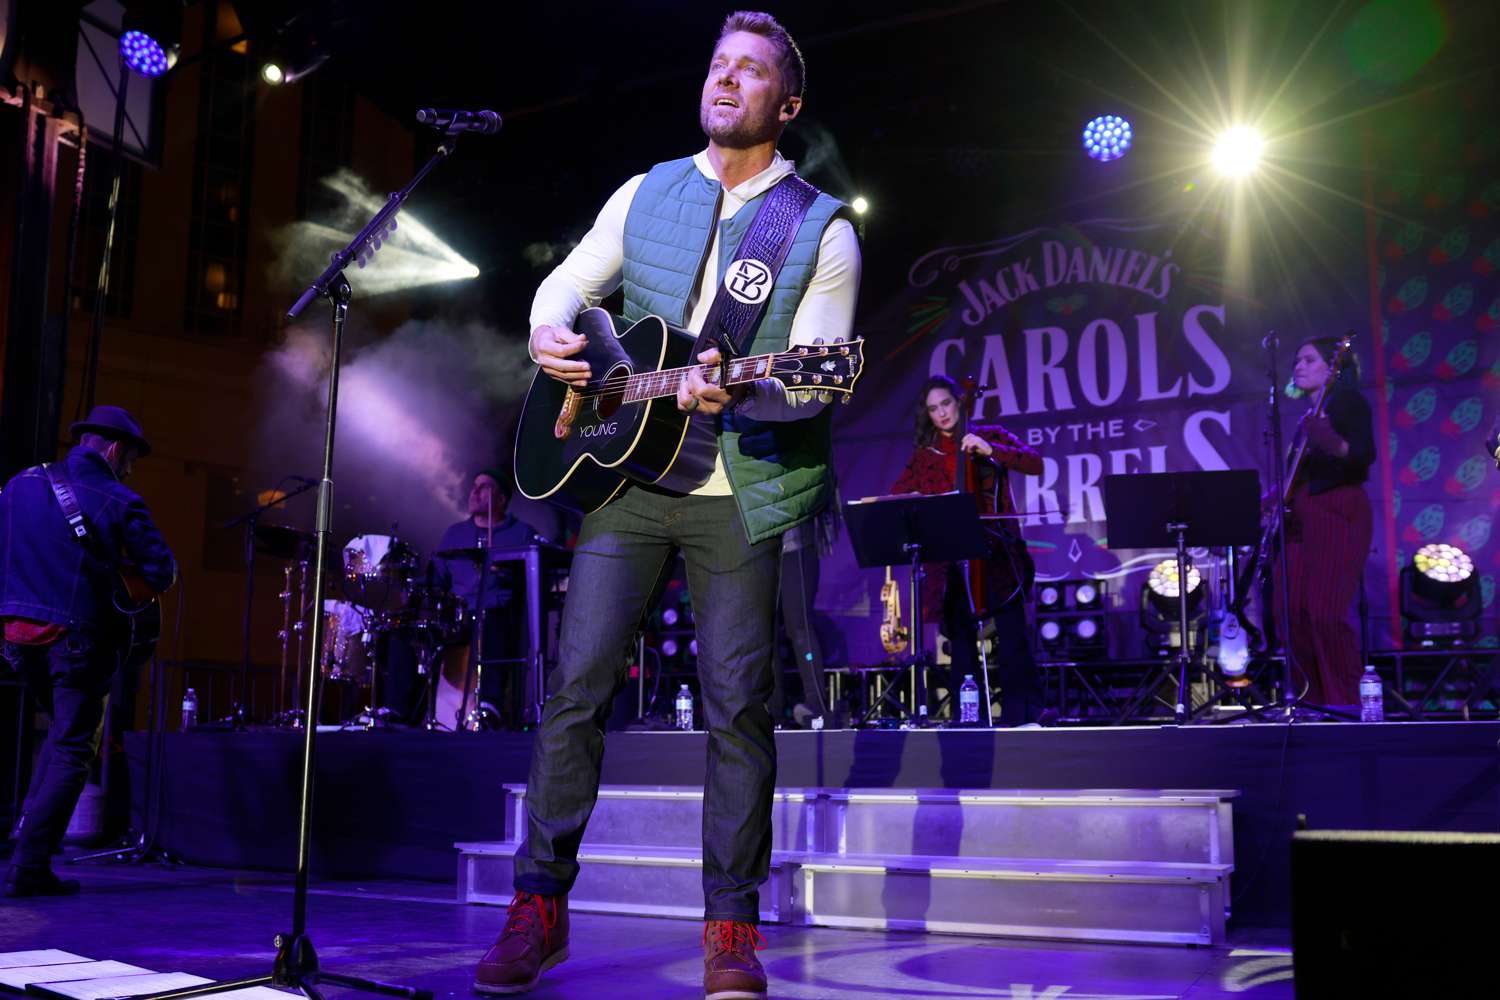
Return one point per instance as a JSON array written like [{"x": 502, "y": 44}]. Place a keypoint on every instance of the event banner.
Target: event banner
[{"x": 1119, "y": 346}]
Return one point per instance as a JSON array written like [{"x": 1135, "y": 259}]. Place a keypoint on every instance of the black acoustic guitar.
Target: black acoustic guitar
[
  {"x": 133, "y": 621},
  {"x": 577, "y": 447}
]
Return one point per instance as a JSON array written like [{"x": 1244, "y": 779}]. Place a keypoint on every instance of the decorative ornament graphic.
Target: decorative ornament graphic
[
  {"x": 1491, "y": 379},
  {"x": 1487, "y": 591},
  {"x": 1490, "y": 319},
  {"x": 1457, "y": 302},
  {"x": 1411, "y": 296},
  {"x": 1426, "y": 525},
  {"x": 1404, "y": 241},
  {"x": 1469, "y": 476},
  {"x": 1454, "y": 244},
  {"x": 1487, "y": 202},
  {"x": 1474, "y": 534},
  {"x": 1413, "y": 353},
  {"x": 1422, "y": 467},
  {"x": 1462, "y": 357},
  {"x": 1487, "y": 262},
  {"x": 1463, "y": 418},
  {"x": 1418, "y": 409}
]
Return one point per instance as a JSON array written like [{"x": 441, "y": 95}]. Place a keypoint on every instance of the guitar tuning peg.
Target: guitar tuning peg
[
  {"x": 819, "y": 340},
  {"x": 846, "y": 399},
  {"x": 825, "y": 397}
]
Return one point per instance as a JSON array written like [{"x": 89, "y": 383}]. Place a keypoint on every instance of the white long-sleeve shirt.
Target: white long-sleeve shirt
[{"x": 595, "y": 268}]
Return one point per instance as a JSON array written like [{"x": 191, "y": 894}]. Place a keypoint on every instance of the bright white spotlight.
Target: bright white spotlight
[
  {"x": 272, "y": 74},
  {"x": 410, "y": 255},
  {"x": 1238, "y": 151},
  {"x": 860, "y": 204}
]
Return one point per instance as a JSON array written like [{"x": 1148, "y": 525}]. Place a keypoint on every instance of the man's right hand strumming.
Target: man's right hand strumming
[{"x": 553, "y": 346}]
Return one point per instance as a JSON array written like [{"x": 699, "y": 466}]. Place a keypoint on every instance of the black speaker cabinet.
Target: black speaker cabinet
[{"x": 1393, "y": 914}]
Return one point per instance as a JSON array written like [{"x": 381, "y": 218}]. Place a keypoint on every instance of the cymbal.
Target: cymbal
[{"x": 281, "y": 542}]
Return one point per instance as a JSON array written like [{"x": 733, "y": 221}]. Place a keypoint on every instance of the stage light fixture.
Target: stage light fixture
[
  {"x": 143, "y": 53},
  {"x": 1163, "y": 579},
  {"x": 1443, "y": 563},
  {"x": 1047, "y": 596},
  {"x": 1085, "y": 595},
  {"x": 1107, "y": 138},
  {"x": 1050, "y": 631},
  {"x": 1441, "y": 599},
  {"x": 860, "y": 204},
  {"x": 669, "y": 648},
  {"x": 152, "y": 34},
  {"x": 273, "y": 74},
  {"x": 1086, "y": 629},
  {"x": 1071, "y": 618},
  {"x": 1237, "y": 151}
]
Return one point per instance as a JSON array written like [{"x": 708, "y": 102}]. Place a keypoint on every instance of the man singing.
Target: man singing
[{"x": 669, "y": 237}]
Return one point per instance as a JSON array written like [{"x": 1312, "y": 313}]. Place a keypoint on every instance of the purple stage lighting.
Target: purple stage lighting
[
  {"x": 1106, "y": 138},
  {"x": 143, "y": 53}
]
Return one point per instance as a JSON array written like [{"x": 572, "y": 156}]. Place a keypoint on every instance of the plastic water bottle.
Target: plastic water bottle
[
  {"x": 968, "y": 701},
  {"x": 189, "y": 709},
  {"x": 1371, "y": 697},
  {"x": 684, "y": 709}
]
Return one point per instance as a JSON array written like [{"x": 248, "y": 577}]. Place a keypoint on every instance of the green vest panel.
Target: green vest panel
[{"x": 779, "y": 470}]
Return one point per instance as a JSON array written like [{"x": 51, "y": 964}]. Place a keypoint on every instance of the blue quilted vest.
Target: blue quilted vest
[{"x": 779, "y": 469}]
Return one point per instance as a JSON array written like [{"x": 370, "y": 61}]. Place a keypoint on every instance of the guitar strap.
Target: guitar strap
[
  {"x": 63, "y": 490},
  {"x": 742, "y": 296}
]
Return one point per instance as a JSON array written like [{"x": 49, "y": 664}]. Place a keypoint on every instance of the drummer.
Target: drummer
[{"x": 490, "y": 525}]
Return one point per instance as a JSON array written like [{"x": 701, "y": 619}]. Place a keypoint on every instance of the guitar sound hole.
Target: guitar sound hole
[{"x": 608, "y": 402}]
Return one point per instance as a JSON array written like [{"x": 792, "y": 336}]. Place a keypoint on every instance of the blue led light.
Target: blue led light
[
  {"x": 143, "y": 53},
  {"x": 1106, "y": 138}
]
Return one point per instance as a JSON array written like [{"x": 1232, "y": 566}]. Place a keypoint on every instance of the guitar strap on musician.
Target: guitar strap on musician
[
  {"x": 63, "y": 491},
  {"x": 742, "y": 295}
]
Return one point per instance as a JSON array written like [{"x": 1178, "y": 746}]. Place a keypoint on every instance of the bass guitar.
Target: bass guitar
[
  {"x": 578, "y": 446},
  {"x": 1272, "y": 527}
]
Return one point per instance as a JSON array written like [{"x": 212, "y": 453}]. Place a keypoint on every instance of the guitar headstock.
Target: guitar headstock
[{"x": 830, "y": 368}]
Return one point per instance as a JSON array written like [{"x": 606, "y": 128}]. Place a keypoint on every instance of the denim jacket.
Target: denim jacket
[{"x": 45, "y": 574}]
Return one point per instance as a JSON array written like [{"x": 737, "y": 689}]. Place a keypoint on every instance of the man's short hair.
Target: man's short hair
[
  {"x": 793, "y": 70},
  {"x": 95, "y": 442}
]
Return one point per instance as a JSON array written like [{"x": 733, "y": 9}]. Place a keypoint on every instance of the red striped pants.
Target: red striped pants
[{"x": 1328, "y": 543}]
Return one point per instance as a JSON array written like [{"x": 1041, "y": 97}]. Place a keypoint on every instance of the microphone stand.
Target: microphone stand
[{"x": 296, "y": 964}]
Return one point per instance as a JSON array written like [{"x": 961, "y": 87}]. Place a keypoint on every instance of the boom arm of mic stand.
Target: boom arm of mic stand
[{"x": 375, "y": 226}]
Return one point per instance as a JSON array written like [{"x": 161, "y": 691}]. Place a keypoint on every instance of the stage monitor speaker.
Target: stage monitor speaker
[{"x": 1393, "y": 914}]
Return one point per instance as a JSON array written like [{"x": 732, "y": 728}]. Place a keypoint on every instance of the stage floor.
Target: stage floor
[{"x": 219, "y": 923}]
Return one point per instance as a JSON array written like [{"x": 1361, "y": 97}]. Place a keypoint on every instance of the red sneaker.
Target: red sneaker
[
  {"x": 730, "y": 969},
  {"x": 535, "y": 939}
]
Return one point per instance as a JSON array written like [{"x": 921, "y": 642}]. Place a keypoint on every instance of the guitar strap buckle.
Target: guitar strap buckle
[{"x": 63, "y": 491}]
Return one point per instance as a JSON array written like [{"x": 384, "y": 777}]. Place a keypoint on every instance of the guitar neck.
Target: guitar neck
[{"x": 657, "y": 384}]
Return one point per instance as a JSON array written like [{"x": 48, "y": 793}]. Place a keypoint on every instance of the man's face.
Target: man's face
[
  {"x": 743, "y": 95},
  {"x": 485, "y": 495},
  {"x": 121, "y": 458}
]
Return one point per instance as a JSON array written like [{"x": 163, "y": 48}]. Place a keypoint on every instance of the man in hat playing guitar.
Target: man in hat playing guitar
[{"x": 67, "y": 529}]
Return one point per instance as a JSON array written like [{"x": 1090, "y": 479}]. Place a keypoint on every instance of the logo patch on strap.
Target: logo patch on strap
[{"x": 748, "y": 280}]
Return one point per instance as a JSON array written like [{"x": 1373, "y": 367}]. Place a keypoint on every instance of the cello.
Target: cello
[{"x": 1009, "y": 564}]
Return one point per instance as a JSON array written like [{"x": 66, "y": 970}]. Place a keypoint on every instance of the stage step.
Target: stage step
[{"x": 1097, "y": 865}]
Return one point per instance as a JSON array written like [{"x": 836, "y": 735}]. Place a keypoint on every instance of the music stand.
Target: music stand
[
  {"x": 1178, "y": 509},
  {"x": 912, "y": 529}
]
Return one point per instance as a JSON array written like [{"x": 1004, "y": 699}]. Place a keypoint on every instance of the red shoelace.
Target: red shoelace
[
  {"x": 734, "y": 935},
  {"x": 528, "y": 910}
]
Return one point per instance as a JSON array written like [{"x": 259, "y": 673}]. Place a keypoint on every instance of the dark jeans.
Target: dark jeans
[
  {"x": 71, "y": 681},
  {"x": 1012, "y": 665},
  {"x": 622, "y": 552}
]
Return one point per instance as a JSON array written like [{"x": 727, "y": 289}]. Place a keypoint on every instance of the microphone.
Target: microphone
[
  {"x": 483, "y": 122},
  {"x": 1270, "y": 341}
]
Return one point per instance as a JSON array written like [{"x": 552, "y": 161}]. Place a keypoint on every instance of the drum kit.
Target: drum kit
[{"x": 381, "y": 593}]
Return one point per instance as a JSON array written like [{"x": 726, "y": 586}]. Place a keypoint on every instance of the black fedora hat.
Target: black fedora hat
[{"x": 115, "y": 423}]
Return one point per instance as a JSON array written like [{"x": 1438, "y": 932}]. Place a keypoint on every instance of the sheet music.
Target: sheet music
[
  {"x": 47, "y": 956},
  {"x": 20, "y": 978},
  {"x": 123, "y": 986}
]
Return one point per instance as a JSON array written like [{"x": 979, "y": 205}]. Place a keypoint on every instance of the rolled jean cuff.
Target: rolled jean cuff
[
  {"x": 540, "y": 885},
  {"x": 738, "y": 917}
]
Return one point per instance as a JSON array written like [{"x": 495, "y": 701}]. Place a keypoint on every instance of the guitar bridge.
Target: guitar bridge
[{"x": 563, "y": 428}]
